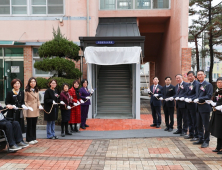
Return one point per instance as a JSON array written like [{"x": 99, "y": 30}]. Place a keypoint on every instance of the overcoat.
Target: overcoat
[
  {"x": 216, "y": 118},
  {"x": 49, "y": 96},
  {"x": 32, "y": 100},
  {"x": 75, "y": 116},
  {"x": 18, "y": 101}
]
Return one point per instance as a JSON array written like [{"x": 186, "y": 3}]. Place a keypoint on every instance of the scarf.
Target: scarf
[
  {"x": 15, "y": 92},
  {"x": 77, "y": 92}
]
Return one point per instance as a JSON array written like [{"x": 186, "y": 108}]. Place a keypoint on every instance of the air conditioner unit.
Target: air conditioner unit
[{"x": 41, "y": 96}]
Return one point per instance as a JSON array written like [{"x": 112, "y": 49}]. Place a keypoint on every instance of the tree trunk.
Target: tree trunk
[
  {"x": 211, "y": 46},
  {"x": 197, "y": 54}
]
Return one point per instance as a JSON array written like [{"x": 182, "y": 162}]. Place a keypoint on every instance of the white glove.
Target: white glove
[
  {"x": 167, "y": 99},
  {"x": 189, "y": 100},
  {"x": 24, "y": 107},
  {"x": 54, "y": 102},
  {"x": 161, "y": 98},
  {"x": 78, "y": 103},
  {"x": 182, "y": 99},
  {"x": 177, "y": 98},
  {"x": 62, "y": 102},
  {"x": 92, "y": 91},
  {"x": 186, "y": 100},
  {"x": 88, "y": 97},
  {"x": 148, "y": 90},
  {"x": 171, "y": 98},
  {"x": 40, "y": 107},
  {"x": 30, "y": 108},
  {"x": 196, "y": 101},
  {"x": 213, "y": 103},
  {"x": 68, "y": 107},
  {"x": 156, "y": 95},
  {"x": 218, "y": 107},
  {"x": 81, "y": 101},
  {"x": 75, "y": 104},
  {"x": 208, "y": 101},
  {"x": 14, "y": 107}
]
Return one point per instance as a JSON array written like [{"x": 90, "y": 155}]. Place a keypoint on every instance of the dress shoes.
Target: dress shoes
[
  {"x": 170, "y": 130},
  {"x": 166, "y": 129},
  {"x": 83, "y": 127},
  {"x": 204, "y": 145},
  {"x": 68, "y": 133},
  {"x": 220, "y": 152},
  {"x": 198, "y": 142},
  {"x": 215, "y": 150},
  {"x": 183, "y": 134},
  {"x": 177, "y": 132},
  {"x": 157, "y": 126},
  {"x": 188, "y": 137},
  {"x": 153, "y": 125},
  {"x": 63, "y": 134},
  {"x": 86, "y": 125},
  {"x": 194, "y": 139}
]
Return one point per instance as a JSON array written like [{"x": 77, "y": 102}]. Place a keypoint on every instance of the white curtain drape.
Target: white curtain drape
[{"x": 112, "y": 55}]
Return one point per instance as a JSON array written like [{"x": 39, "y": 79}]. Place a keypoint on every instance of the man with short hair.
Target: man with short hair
[
  {"x": 191, "y": 107},
  {"x": 181, "y": 91},
  {"x": 155, "y": 103},
  {"x": 204, "y": 92},
  {"x": 168, "y": 103}
]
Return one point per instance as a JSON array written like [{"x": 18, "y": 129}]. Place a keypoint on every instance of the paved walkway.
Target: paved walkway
[{"x": 116, "y": 154}]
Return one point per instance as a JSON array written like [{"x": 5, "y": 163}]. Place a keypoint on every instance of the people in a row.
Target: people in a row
[
  {"x": 193, "y": 104},
  {"x": 26, "y": 104}
]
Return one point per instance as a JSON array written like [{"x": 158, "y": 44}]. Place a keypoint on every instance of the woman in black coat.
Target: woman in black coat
[
  {"x": 50, "y": 98},
  {"x": 16, "y": 97},
  {"x": 216, "y": 118}
]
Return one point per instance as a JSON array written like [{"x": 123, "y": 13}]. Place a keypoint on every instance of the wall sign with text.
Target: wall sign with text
[{"x": 105, "y": 42}]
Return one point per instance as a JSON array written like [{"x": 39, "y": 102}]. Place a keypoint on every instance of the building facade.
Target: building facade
[{"x": 26, "y": 24}]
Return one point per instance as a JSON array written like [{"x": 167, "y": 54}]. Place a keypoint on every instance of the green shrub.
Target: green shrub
[
  {"x": 42, "y": 83},
  {"x": 65, "y": 68}
]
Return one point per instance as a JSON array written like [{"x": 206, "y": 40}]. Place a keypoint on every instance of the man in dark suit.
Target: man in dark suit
[
  {"x": 204, "y": 92},
  {"x": 155, "y": 103},
  {"x": 191, "y": 107},
  {"x": 168, "y": 103},
  {"x": 181, "y": 91}
]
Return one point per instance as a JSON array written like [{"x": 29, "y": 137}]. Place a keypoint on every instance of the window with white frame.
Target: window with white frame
[
  {"x": 47, "y": 7},
  {"x": 14, "y": 7},
  {"x": 31, "y": 7},
  {"x": 36, "y": 72}
]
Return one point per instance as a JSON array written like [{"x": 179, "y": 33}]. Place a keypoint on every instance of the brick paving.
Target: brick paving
[{"x": 173, "y": 153}]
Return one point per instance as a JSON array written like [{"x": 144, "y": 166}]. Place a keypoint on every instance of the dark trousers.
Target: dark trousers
[
  {"x": 64, "y": 125},
  {"x": 31, "y": 128},
  {"x": 219, "y": 144},
  {"x": 203, "y": 121},
  {"x": 12, "y": 130},
  {"x": 192, "y": 122},
  {"x": 169, "y": 113},
  {"x": 156, "y": 113},
  {"x": 182, "y": 120},
  {"x": 84, "y": 114}
]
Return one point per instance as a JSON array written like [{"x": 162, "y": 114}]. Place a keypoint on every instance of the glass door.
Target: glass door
[{"x": 13, "y": 70}]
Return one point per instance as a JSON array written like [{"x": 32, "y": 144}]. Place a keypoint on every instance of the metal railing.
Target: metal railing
[{"x": 134, "y": 4}]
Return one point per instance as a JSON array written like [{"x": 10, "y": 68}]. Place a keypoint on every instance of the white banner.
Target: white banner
[{"x": 112, "y": 55}]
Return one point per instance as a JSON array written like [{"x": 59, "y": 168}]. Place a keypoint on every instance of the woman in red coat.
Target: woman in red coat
[{"x": 75, "y": 116}]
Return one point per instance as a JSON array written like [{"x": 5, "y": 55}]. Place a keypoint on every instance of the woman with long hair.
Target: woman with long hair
[
  {"x": 75, "y": 116},
  {"x": 51, "y": 98},
  {"x": 32, "y": 100},
  {"x": 65, "y": 109},
  {"x": 16, "y": 98}
]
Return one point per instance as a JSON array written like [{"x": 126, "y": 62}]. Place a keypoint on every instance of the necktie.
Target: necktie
[
  {"x": 178, "y": 88},
  {"x": 154, "y": 87}
]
